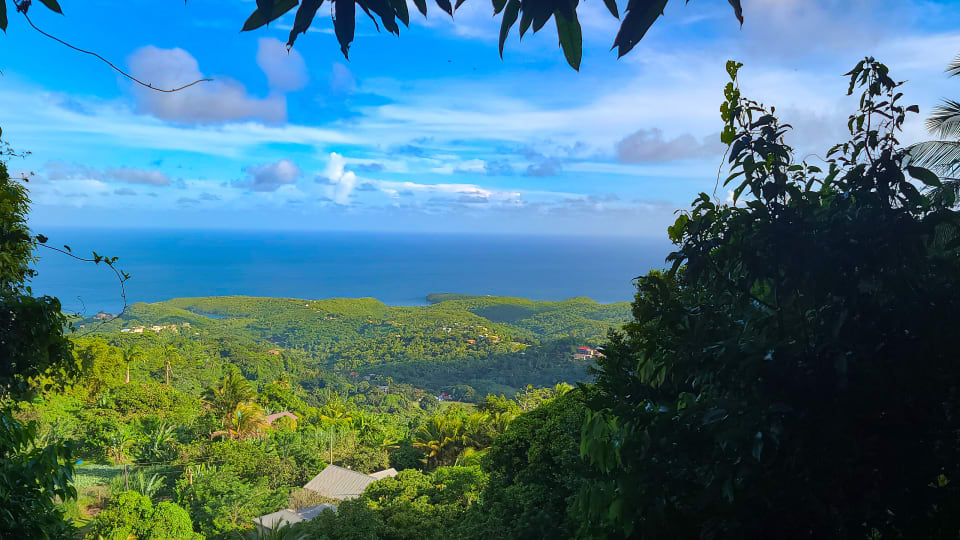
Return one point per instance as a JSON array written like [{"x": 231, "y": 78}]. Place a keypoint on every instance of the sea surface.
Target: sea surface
[{"x": 398, "y": 269}]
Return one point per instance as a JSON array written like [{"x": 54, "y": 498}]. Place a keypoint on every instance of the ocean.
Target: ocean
[{"x": 398, "y": 269}]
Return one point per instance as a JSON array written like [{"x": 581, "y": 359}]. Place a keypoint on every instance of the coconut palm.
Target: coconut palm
[
  {"x": 224, "y": 397},
  {"x": 942, "y": 155},
  {"x": 247, "y": 421},
  {"x": 441, "y": 439}
]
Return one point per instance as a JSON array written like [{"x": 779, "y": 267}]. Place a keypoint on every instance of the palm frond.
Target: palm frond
[
  {"x": 942, "y": 156},
  {"x": 954, "y": 68},
  {"x": 945, "y": 120}
]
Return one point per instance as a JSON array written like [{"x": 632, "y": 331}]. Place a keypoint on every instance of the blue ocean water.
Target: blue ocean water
[{"x": 398, "y": 269}]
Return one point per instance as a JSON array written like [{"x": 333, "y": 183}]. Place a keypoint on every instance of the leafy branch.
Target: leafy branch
[
  {"x": 24, "y": 5},
  {"x": 638, "y": 18}
]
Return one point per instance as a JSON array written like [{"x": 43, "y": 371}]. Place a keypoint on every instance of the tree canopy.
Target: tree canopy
[
  {"x": 533, "y": 15},
  {"x": 794, "y": 374}
]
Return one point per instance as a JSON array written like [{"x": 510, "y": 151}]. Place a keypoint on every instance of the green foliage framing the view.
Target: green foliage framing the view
[
  {"x": 31, "y": 328},
  {"x": 639, "y": 16},
  {"x": 795, "y": 374}
]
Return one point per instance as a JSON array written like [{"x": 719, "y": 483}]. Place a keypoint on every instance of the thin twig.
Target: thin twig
[
  {"x": 120, "y": 277},
  {"x": 104, "y": 60}
]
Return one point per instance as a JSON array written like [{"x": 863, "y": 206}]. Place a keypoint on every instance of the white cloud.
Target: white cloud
[
  {"x": 59, "y": 171},
  {"x": 220, "y": 100},
  {"x": 341, "y": 181},
  {"x": 270, "y": 176},
  {"x": 285, "y": 70},
  {"x": 649, "y": 145}
]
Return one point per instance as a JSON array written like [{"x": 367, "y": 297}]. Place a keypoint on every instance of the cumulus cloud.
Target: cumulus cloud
[
  {"x": 137, "y": 176},
  {"x": 58, "y": 171},
  {"x": 269, "y": 176},
  {"x": 285, "y": 70},
  {"x": 209, "y": 197},
  {"x": 341, "y": 80},
  {"x": 340, "y": 180},
  {"x": 650, "y": 146},
  {"x": 125, "y": 192},
  {"x": 367, "y": 186},
  {"x": 220, "y": 100}
]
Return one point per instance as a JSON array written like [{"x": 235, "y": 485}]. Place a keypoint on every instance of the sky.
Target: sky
[{"x": 429, "y": 131}]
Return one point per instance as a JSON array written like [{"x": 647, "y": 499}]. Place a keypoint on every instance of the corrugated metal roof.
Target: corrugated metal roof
[
  {"x": 338, "y": 483},
  {"x": 277, "y": 519},
  {"x": 386, "y": 473}
]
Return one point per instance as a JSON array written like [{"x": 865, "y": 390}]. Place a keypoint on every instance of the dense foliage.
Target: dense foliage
[
  {"x": 794, "y": 375},
  {"x": 639, "y": 16}
]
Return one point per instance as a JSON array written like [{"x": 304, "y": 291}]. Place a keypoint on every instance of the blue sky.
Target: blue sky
[{"x": 430, "y": 131}]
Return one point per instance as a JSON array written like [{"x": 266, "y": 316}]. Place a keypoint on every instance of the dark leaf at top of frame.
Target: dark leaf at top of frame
[
  {"x": 258, "y": 19},
  {"x": 303, "y": 20},
  {"x": 571, "y": 38},
  {"x": 446, "y": 6},
  {"x": 509, "y": 18},
  {"x": 344, "y": 23},
  {"x": 737, "y": 10},
  {"x": 641, "y": 14},
  {"x": 52, "y": 5}
]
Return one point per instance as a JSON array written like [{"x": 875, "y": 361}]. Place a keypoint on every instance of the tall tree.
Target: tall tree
[
  {"x": 943, "y": 153},
  {"x": 795, "y": 373}
]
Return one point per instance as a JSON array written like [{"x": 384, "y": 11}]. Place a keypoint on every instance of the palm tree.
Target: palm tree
[
  {"x": 223, "y": 397},
  {"x": 247, "y": 421},
  {"x": 942, "y": 155},
  {"x": 441, "y": 439},
  {"x": 135, "y": 354},
  {"x": 561, "y": 388}
]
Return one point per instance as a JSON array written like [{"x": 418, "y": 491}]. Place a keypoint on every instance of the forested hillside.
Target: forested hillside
[{"x": 468, "y": 346}]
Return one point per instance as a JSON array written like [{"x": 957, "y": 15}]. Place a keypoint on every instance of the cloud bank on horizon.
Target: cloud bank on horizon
[{"x": 431, "y": 131}]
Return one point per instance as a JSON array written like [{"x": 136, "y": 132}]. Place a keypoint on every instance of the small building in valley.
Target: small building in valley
[
  {"x": 271, "y": 522},
  {"x": 340, "y": 484}
]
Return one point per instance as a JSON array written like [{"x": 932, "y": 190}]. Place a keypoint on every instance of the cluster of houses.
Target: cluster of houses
[
  {"x": 335, "y": 483},
  {"x": 157, "y": 328},
  {"x": 586, "y": 353}
]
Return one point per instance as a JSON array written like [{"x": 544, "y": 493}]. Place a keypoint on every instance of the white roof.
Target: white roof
[
  {"x": 292, "y": 517},
  {"x": 339, "y": 483},
  {"x": 386, "y": 473}
]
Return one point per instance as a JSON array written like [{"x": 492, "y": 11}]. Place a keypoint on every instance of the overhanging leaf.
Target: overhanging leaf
[
  {"x": 612, "y": 6},
  {"x": 498, "y": 6},
  {"x": 509, "y": 18},
  {"x": 52, "y": 5},
  {"x": 925, "y": 176},
  {"x": 305, "y": 13},
  {"x": 571, "y": 38},
  {"x": 445, "y": 5},
  {"x": 737, "y": 10},
  {"x": 641, "y": 15},
  {"x": 265, "y": 7},
  {"x": 3, "y": 16},
  {"x": 422, "y": 6},
  {"x": 344, "y": 23},
  {"x": 400, "y": 8},
  {"x": 257, "y": 19}
]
